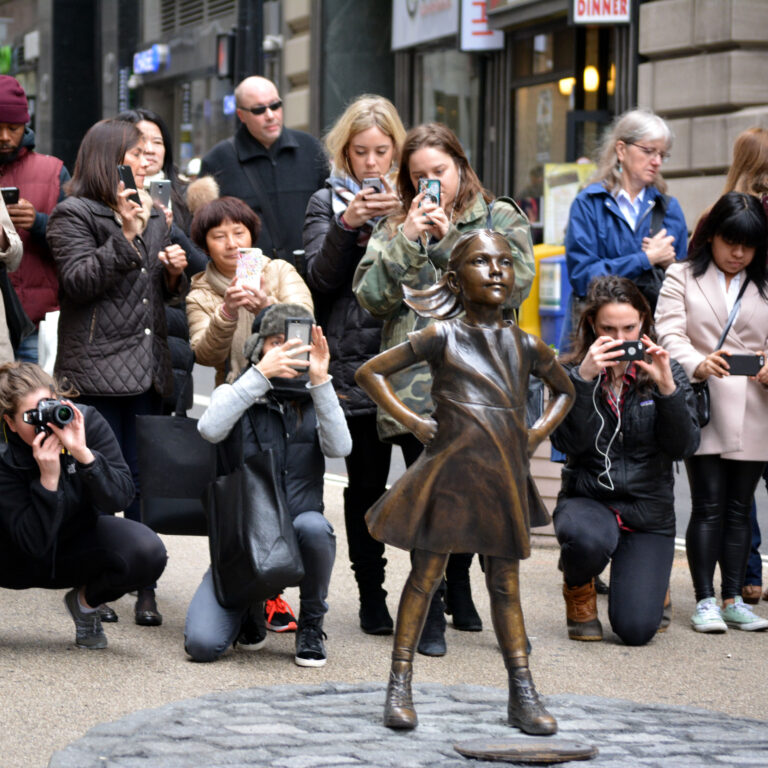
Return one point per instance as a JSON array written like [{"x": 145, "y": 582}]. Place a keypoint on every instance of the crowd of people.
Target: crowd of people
[{"x": 350, "y": 239}]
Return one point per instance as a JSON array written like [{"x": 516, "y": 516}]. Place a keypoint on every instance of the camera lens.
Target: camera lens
[{"x": 63, "y": 415}]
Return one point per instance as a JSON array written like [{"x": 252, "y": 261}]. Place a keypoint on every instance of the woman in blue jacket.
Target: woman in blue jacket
[{"x": 623, "y": 223}]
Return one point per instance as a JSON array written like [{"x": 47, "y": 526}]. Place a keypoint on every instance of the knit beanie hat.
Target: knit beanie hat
[
  {"x": 13, "y": 101},
  {"x": 272, "y": 321}
]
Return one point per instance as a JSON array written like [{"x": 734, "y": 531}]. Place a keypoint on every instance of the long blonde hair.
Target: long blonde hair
[{"x": 367, "y": 111}]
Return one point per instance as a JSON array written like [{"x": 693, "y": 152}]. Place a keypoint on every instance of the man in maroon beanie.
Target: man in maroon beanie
[{"x": 39, "y": 179}]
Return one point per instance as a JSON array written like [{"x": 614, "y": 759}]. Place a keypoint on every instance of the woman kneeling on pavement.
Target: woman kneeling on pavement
[
  {"x": 61, "y": 485},
  {"x": 630, "y": 422},
  {"x": 301, "y": 420}
]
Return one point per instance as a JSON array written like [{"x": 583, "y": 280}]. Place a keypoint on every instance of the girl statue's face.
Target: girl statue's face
[{"x": 485, "y": 276}]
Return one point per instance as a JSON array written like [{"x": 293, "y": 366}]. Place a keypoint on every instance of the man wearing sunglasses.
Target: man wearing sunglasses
[{"x": 273, "y": 169}]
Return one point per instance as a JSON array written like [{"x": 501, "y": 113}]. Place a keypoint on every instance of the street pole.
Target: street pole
[{"x": 248, "y": 40}]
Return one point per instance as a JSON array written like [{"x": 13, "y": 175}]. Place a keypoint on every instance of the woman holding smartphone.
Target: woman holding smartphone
[
  {"x": 364, "y": 147},
  {"x": 411, "y": 247},
  {"x": 117, "y": 269},
  {"x": 723, "y": 277},
  {"x": 630, "y": 422}
]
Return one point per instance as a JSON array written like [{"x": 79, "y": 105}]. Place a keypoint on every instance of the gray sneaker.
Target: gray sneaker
[{"x": 88, "y": 631}]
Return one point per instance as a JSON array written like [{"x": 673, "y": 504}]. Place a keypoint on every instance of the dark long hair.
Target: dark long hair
[
  {"x": 102, "y": 149},
  {"x": 443, "y": 138},
  {"x": 610, "y": 289},
  {"x": 737, "y": 218},
  {"x": 181, "y": 214}
]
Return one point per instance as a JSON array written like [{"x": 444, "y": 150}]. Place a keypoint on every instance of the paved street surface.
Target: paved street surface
[
  {"x": 339, "y": 725},
  {"x": 52, "y": 693}
]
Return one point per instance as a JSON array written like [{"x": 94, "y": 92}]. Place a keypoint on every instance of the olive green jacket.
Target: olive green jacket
[{"x": 392, "y": 260}]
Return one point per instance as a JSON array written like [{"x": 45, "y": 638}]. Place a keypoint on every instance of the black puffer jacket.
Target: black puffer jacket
[
  {"x": 655, "y": 431},
  {"x": 112, "y": 329},
  {"x": 354, "y": 335},
  {"x": 33, "y": 519}
]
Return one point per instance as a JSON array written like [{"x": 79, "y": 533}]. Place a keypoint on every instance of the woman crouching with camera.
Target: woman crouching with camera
[
  {"x": 62, "y": 478},
  {"x": 634, "y": 415}
]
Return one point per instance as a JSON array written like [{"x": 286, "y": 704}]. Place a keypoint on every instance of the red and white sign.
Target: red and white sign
[
  {"x": 601, "y": 11},
  {"x": 476, "y": 35}
]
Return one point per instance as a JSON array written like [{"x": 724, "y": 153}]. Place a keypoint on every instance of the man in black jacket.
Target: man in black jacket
[{"x": 272, "y": 168}]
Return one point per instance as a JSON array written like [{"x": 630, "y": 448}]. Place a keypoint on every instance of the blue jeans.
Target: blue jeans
[
  {"x": 26, "y": 352},
  {"x": 210, "y": 628}
]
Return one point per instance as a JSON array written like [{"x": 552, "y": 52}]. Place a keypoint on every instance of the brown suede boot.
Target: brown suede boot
[
  {"x": 525, "y": 710},
  {"x": 581, "y": 612},
  {"x": 398, "y": 709}
]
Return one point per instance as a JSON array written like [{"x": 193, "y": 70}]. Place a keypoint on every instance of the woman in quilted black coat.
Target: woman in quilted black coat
[{"x": 117, "y": 268}]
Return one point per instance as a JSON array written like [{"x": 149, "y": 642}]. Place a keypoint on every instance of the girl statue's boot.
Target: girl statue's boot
[
  {"x": 525, "y": 710},
  {"x": 398, "y": 709}
]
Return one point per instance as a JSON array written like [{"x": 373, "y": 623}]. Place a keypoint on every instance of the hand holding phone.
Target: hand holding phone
[
  {"x": 160, "y": 191},
  {"x": 10, "y": 195},
  {"x": 125, "y": 175},
  {"x": 299, "y": 328},
  {"x": 431, "y": 189},
  {"x": 250, "y": 262},
  {"x": 745, "y": 364},
  {"x": 631, "y": 350},
  {"x": 373, "y": 182}
]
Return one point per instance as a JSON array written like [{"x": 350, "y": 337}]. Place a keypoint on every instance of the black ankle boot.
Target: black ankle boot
[
  {"x": 374, "y": 615},
  {"x": 432, "y": 642},
  {"x": 146, "y": 613},
  {"x": 459, "y": 604}
]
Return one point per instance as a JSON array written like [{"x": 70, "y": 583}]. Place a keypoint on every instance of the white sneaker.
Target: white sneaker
[
  {"x": 708, "y": 617},
  {"x": 739, "y": 615}
]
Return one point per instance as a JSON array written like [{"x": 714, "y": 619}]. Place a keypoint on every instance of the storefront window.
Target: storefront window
[{"x": 448, "y": 91}]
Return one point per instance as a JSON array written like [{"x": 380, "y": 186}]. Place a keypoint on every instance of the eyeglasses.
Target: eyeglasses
[
  {"x": 650, "y": 152},
  {"x": 274, "y": 106}
]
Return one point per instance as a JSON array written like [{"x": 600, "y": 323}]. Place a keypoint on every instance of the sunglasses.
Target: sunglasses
[{"x": 274, "y": 106}]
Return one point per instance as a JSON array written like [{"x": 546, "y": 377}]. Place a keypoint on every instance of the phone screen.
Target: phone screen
[
  {"x": 432, "y": 189},
  {"x": 299, "y": 328},
  {"x": 126, "y": 176},
  {"x": 10, "y": 195}
]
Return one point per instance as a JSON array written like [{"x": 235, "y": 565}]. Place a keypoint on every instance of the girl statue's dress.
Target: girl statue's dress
[{"x": 480, "y": 383}]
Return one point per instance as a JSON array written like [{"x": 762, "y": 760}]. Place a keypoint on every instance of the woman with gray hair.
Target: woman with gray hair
[{"x": 623, "y": 223}]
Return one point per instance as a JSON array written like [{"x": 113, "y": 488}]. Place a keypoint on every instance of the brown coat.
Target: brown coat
[
  {"x": 690, "y": 317},
  {"x": 218, "y": 341}
]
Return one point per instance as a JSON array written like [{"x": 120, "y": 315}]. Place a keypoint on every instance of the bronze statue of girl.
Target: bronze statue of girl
[{"x": 470, "y": 491}]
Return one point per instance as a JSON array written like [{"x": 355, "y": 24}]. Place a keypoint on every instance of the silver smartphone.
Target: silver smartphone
[
  {"x": 160, "y": 191},
  {"x": 299, "y": 328}
]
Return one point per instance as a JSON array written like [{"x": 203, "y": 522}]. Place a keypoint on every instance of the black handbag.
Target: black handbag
[
  {"x": 649, "y": 282},
  {"x": 701, "y": 393},
  {"x": 254, "y": 550},
  {"x": 176, "y": 465},
  {"x": 701, "y": 388},
  {"x": 19, "y": 324}
]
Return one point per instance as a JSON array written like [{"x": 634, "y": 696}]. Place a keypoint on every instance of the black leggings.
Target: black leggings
[
  {"x": 113, "y": 557},
  {"x": 719, "y": 528}
]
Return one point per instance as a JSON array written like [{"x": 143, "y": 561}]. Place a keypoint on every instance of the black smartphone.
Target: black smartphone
[
  {"x": 432, "y": 188},
  {"x": 299, "y": 328},
  {"x": 631, "y": 350},
  {"x": 373, "y": 181},
  {"x": 160, "y": 191},
  {"x": 10, "y": 195},
  {"x": 126, "y": 176},
  {"x": 745, "y": 365}
]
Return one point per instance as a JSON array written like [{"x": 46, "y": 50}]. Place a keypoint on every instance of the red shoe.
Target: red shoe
[{"x": 280, "y": 617}]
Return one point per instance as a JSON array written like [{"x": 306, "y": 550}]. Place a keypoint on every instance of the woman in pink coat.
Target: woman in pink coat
[{"x": 696, "y": 299}]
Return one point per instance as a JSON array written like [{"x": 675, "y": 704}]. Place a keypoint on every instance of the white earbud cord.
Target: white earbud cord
[{"x": 607, "y": 471}]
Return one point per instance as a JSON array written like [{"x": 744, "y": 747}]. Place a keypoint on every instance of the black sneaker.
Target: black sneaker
[
  {"x": 88, "y": 631},
  {"x": 310, "y": 650},
  {"x": 253, "y": 630}
]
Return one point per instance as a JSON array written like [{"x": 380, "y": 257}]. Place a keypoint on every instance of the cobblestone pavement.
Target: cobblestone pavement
[{"x": 339, "y": 724}]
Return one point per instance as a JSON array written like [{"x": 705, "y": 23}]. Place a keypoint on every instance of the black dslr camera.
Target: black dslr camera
[{"x": 49, "y": 412}]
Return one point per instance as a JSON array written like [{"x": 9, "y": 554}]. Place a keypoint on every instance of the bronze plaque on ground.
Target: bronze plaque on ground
[{"x": 526, "y": 749}]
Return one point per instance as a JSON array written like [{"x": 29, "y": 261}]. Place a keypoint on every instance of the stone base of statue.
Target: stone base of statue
[{"x": 526, "y": 750}]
